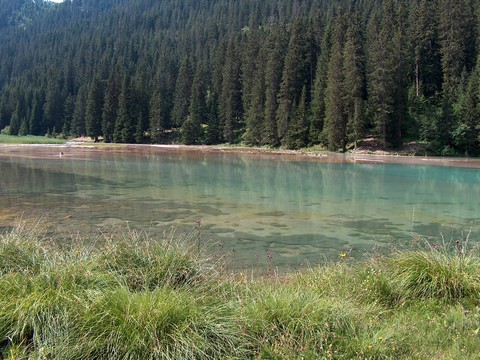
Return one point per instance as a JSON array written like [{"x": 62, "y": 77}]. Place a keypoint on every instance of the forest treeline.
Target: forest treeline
[{"x": 289, "y": 73}]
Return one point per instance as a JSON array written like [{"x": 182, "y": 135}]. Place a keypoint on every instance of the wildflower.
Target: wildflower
[
  {"x": 270, "y": 255},
  {"x": 343, "y": 255},
  {"x": 198, "y": 222}
]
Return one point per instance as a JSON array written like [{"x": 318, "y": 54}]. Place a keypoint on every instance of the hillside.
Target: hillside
[{"x": 288, "y": 73}]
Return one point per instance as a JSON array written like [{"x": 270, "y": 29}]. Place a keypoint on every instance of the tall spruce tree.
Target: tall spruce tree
[
  {"x": 296, "y": 73},
  {"x": 386, "y": 74},
  {"x": 297, "y": 134},
  {"x": 255, "y": 110},
  {"x": 53, "y": 107},
  {"x": 68, "y": 110},
  {"x": 161, "y": 100},
  {"x": 230, "y": 100},
  {"x": 36, "y": 115},
  {"x": 18, "y": 116},
  {"x": 125, "y": 122},
  {"x": 251, "y": 43},
  {"x": 181, "y": 100},
  {"x": 317, "y": 119},
  {"x": 335, "y": 114},
  {"x": 94, "y": 110},
  {"x": 354, "y": 86},
  {"x": 276, "y": 49},
  {"x": 466, "y": 130},
  {"x": 425, "y": 43},
  {"x": 456, "y": 30},
  {"x": 78, "y": 120},
  {"x": 110, "y": 106},
  {"x": 214, "y": 129},
  {"x": 192, "y": 131}
]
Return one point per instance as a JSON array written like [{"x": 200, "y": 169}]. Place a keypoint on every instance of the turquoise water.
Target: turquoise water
[{"x": 250, "y": 207}]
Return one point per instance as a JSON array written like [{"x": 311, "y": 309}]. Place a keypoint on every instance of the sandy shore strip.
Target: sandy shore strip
[{"x": 88, "y": 150}]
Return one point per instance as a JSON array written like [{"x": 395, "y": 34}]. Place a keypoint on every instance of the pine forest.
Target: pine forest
[{"x": 277, "y": 73}]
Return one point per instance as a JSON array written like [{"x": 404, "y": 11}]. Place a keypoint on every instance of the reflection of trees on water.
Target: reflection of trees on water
[{"x": 301, "y": 195}]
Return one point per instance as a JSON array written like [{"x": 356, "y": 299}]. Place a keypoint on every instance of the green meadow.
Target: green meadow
[
  {"x": 124, "y": 295},
  {"x": 29, "y": 139}
]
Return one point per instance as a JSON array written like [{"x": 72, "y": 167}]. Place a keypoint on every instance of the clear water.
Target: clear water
[{"x": 248, "y": 206}]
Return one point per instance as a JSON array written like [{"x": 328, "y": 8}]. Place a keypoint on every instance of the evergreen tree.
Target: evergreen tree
[
  {"x": 297, "y": 134},
  {"x": 18, "y": 116},
  {"x": 78, "y": 120},
  {"x": 214, "y": 129},
  {"x": 425, "y": 42},
  {"x": 335, "y": 114},
  {"x": 53, "y": 107},
  {"x": 181, "y": 101},
  {"x": 296, "y": 74},
  {"x": 110, "y": 106},
  {"x": 255, "y": 110},
  {"x": 197, "y": 109},
  {"x": 139, "y": 134},
  {"x": 230, "y": 101},
  {"x": 157, "y": 116},
  {"x": 36, "y": 115},
  {"x": 124, "y": 123},
  {"x": 276, "y": 49},
  {"x": 68, "y": 110},
  {"x": 140, "y": 104},
  {"x": 192, "y": 129},
  {"x": 354, "y": 80},
  {"x": 466, "y": 132},
  {"x": 317, "y": 121},
  {"x": 213, "y": 132},
  {"x": 386, "y": 63},
  {"x": 249, "y": 59},
  {"x": 23, "y": 128},
  {"x": 94, "y": 109},
  {"x": 161, "y": 101},
  {"x": 456, "y": 29}
]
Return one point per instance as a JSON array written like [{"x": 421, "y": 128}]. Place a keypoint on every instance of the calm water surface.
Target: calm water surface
[{"x": 250, "y": 206}]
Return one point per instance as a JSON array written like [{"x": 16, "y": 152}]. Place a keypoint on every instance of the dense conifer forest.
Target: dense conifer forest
[{"x": 289, "y": 73}]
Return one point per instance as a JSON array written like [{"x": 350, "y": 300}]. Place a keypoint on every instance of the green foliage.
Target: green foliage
[
  {"x": 125, "y": 295},
  {"x": 191, "y": 131},
  {"x": 94, "y": 109},
  {"x": 391, "y": 69},
  {"x": 124, "y": 122},
  {"x": 335, "y": 114},
  {"x": 30, "y": 139},
  {"x": 436, "y": 275}
]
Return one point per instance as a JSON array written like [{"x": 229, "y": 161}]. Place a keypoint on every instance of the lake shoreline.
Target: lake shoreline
[{"x": 360, "y": 156}]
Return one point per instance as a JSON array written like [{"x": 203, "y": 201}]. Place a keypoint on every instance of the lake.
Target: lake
[{"x": 257, "y": 210}]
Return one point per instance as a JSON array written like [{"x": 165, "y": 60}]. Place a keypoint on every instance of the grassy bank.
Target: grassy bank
[
  {"x": 29, "y": 139},
  {"x": 128, "y": 296}
]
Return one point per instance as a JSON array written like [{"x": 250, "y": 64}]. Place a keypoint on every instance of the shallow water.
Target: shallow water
[{"x": 250, "y": 206}]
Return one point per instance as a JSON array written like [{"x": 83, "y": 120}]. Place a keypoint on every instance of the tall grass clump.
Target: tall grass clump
[
  {"x": 114, "y": 296},
  {"x": 124, "y": 295},
  {"x": 143, "y": 263},
  {"x": 447, "y": 272},
  {"x": 289, "y": 320},
  {"x": 159, "y": 324}
]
